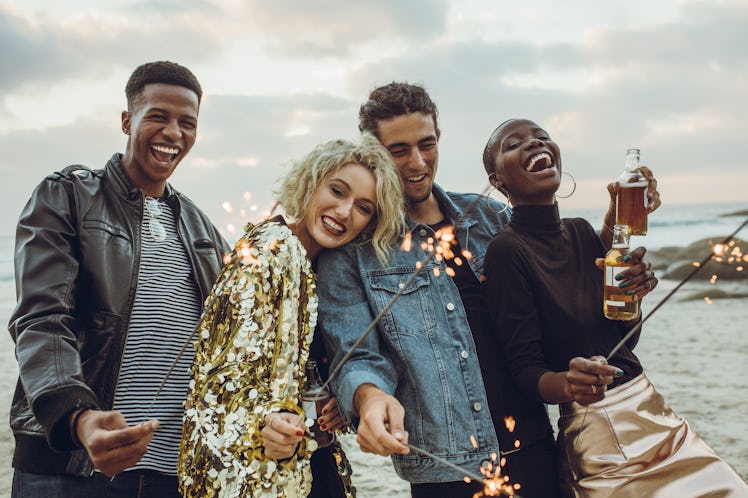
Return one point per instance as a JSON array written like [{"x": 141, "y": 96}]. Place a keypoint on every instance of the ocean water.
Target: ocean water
[{"x": 678, "y": 225}]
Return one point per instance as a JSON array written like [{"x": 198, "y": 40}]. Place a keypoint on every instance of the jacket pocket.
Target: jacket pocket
[
  {"x": 413, "y": 311},
  {"x": 99, "y": 226}
]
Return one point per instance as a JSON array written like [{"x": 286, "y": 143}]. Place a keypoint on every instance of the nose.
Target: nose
[
  {"x": 416, "y": 158},
  {"x": 343, "y": 209},
  {"x": 533, "y": 142},
  {"x": 172, "y": 130}
]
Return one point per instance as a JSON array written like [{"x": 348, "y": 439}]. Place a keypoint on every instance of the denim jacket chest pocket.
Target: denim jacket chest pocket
[{"x": 413, "y": 312}]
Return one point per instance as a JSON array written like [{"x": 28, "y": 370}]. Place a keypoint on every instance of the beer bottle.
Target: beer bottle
[
  {"x": 313, "y": 399},
  {"x": 631, "y": 202},
  {"x": 617, "y": 305}
]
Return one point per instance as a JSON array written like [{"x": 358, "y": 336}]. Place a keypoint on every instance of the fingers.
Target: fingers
[
  {"x": 639, "y": 279},
  {"x": 588, "y": 379},
  {"x": 281, "y": 434},
  {"x": 381, "y": 426},
  {"x": 653, "y": 196},
  {"x": 112, "y": 445}
]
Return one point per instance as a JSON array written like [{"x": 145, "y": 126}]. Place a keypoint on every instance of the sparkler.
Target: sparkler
[{"x": 717, "y": 250}]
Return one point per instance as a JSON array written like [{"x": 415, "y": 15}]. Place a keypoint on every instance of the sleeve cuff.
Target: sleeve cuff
[{"x": 346, "y": 389}]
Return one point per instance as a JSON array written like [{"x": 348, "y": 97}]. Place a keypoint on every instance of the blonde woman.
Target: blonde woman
[{"x": 244, "y": 431}]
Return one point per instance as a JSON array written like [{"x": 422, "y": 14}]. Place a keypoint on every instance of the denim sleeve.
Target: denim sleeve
[{"x": 344, "y": 314}]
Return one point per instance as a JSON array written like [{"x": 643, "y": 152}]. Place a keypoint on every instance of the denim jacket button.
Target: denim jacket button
[
  {"x": 450, "y": 306},
  {"x": 422, "y": 232},
  {"x": 464, "y": 355},
  {"x": 476, "y": 406}
]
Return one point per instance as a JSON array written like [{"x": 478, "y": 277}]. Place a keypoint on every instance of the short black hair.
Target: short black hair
[
  {"x": 166, "y": 72},
  {"x": 394, "y": 99}
]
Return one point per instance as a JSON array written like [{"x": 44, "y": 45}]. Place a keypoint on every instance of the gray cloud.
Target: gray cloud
[
  {"x": 331, "y": 28},
  {"x": 46, "y": 50}
]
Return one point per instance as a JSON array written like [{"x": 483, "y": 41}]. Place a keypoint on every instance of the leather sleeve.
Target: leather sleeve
[{"x": 44, "y": 324}]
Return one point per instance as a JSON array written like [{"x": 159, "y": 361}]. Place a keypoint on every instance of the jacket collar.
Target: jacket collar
[
  {"x": 454, "y": 213},
  {"x": 115, "y": 172}
]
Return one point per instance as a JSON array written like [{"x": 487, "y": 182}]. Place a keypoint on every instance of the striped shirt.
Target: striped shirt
[{"x": 165, "y": 312}]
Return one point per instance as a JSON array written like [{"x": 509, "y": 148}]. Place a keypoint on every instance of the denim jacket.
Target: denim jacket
[{"x": 422, "y": 351}]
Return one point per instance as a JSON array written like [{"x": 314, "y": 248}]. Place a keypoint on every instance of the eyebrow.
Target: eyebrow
[{"x": 405, "y": 144}]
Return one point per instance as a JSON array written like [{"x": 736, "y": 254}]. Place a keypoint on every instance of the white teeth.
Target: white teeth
[
  {"x": 416, "y": 178},
  {"x": 165, "y": 150},
  {"x": 335, "y": 226},
  {"x": 544, "y": 156}
]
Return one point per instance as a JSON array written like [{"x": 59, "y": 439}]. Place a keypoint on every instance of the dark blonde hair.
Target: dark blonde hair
[{"x": 298, "y": 185}]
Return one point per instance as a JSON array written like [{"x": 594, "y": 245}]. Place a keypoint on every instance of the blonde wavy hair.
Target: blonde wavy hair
[{"x": 299, "y": 184}]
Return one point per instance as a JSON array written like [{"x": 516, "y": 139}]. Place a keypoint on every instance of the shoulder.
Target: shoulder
[
  {"x": 505, "y": 243},
  {"x": 482, "y": 208},
  {"x": 270, "y": 240},
  {"x": 75, "y": 174}
]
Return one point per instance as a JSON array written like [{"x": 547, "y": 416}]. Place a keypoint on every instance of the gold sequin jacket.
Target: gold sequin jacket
[{"x": 252, "y": 347}]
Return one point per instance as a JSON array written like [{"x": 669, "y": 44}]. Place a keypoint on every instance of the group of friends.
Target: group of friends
[{"x": 156, "y": 361}]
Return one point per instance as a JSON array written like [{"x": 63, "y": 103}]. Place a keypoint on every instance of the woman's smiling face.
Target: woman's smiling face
[
  {"x": 527, "y": 162},
  {"x": 342, "y": 205}
]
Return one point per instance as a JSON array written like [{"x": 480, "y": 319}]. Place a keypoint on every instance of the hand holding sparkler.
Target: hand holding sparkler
[
  {"x": 381, "y": 429},
  {"x": 112, "y": 445}
]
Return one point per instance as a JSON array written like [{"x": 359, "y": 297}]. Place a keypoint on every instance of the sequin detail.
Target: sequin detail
[{"x": 252, "y": 347}]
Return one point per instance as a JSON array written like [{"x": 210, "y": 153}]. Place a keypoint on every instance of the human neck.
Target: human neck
[
  {"x": 310, "y": 245},
  {"x": 427, "y": 212}
]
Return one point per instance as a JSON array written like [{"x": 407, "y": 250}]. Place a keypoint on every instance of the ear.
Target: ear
[
  {"x": 494, "y": 180},
  {"x": 126, "y": 122},
  {"x": 498, "y": 184}
]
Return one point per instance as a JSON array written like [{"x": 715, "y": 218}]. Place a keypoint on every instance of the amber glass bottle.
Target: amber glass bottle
[
  {"x": 617, "y": 305},
  {"x": 631, "y": 202}
]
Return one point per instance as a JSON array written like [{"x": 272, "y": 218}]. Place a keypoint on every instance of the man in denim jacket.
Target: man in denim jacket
[{"x": 417, "y": 375}]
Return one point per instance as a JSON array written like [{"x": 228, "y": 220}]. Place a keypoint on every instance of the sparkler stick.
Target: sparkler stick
[{"x": 673, "y": 291}]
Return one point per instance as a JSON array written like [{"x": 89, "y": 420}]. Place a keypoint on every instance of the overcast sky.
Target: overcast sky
[{"x": 669, "y": 77}]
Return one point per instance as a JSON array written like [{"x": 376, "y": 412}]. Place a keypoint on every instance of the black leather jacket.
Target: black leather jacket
[{"x": 76, "y": 261}]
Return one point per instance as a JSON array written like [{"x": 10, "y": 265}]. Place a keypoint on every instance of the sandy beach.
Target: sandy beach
[{"x": 694, "y": 352}]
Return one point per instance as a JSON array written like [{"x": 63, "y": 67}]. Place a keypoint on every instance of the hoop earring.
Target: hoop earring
[
  {"x": 573, "y": 188},
  {"x": 488, "y": 201}
]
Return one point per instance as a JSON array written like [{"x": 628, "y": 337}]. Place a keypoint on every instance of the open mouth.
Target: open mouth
[
  {"x": 164, "y": 153},
  {"x": 416, "y": 179},
  {"x": 333, "y": 225},
  {"x": 540, "y": 162}
]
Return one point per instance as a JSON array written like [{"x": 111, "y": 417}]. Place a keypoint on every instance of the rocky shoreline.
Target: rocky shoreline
[{"x": 724, "y": 276}]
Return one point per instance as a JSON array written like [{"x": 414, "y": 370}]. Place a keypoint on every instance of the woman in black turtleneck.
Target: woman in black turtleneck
[{"x": 617, "y": 437}]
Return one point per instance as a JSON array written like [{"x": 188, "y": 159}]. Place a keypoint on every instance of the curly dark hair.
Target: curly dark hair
[
  {"x": 391, "y": 100},
  {"x": 167, "y": 72}
]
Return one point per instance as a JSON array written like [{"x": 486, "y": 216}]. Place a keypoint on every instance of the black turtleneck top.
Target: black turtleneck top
[{"x": 545, "y": 295}]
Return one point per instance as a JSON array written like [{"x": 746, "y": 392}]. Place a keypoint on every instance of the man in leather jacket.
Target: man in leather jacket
[{"x": 112, "y": 267}]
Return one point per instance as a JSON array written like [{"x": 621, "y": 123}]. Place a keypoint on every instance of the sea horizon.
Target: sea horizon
[{"x": 671, "y": 225}]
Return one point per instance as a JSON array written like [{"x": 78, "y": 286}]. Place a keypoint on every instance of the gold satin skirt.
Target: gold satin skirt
[{"x": 631, "y": 444}]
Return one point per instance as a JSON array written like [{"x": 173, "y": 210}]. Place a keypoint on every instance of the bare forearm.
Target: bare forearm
[{"x": 554, "y": 388}]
